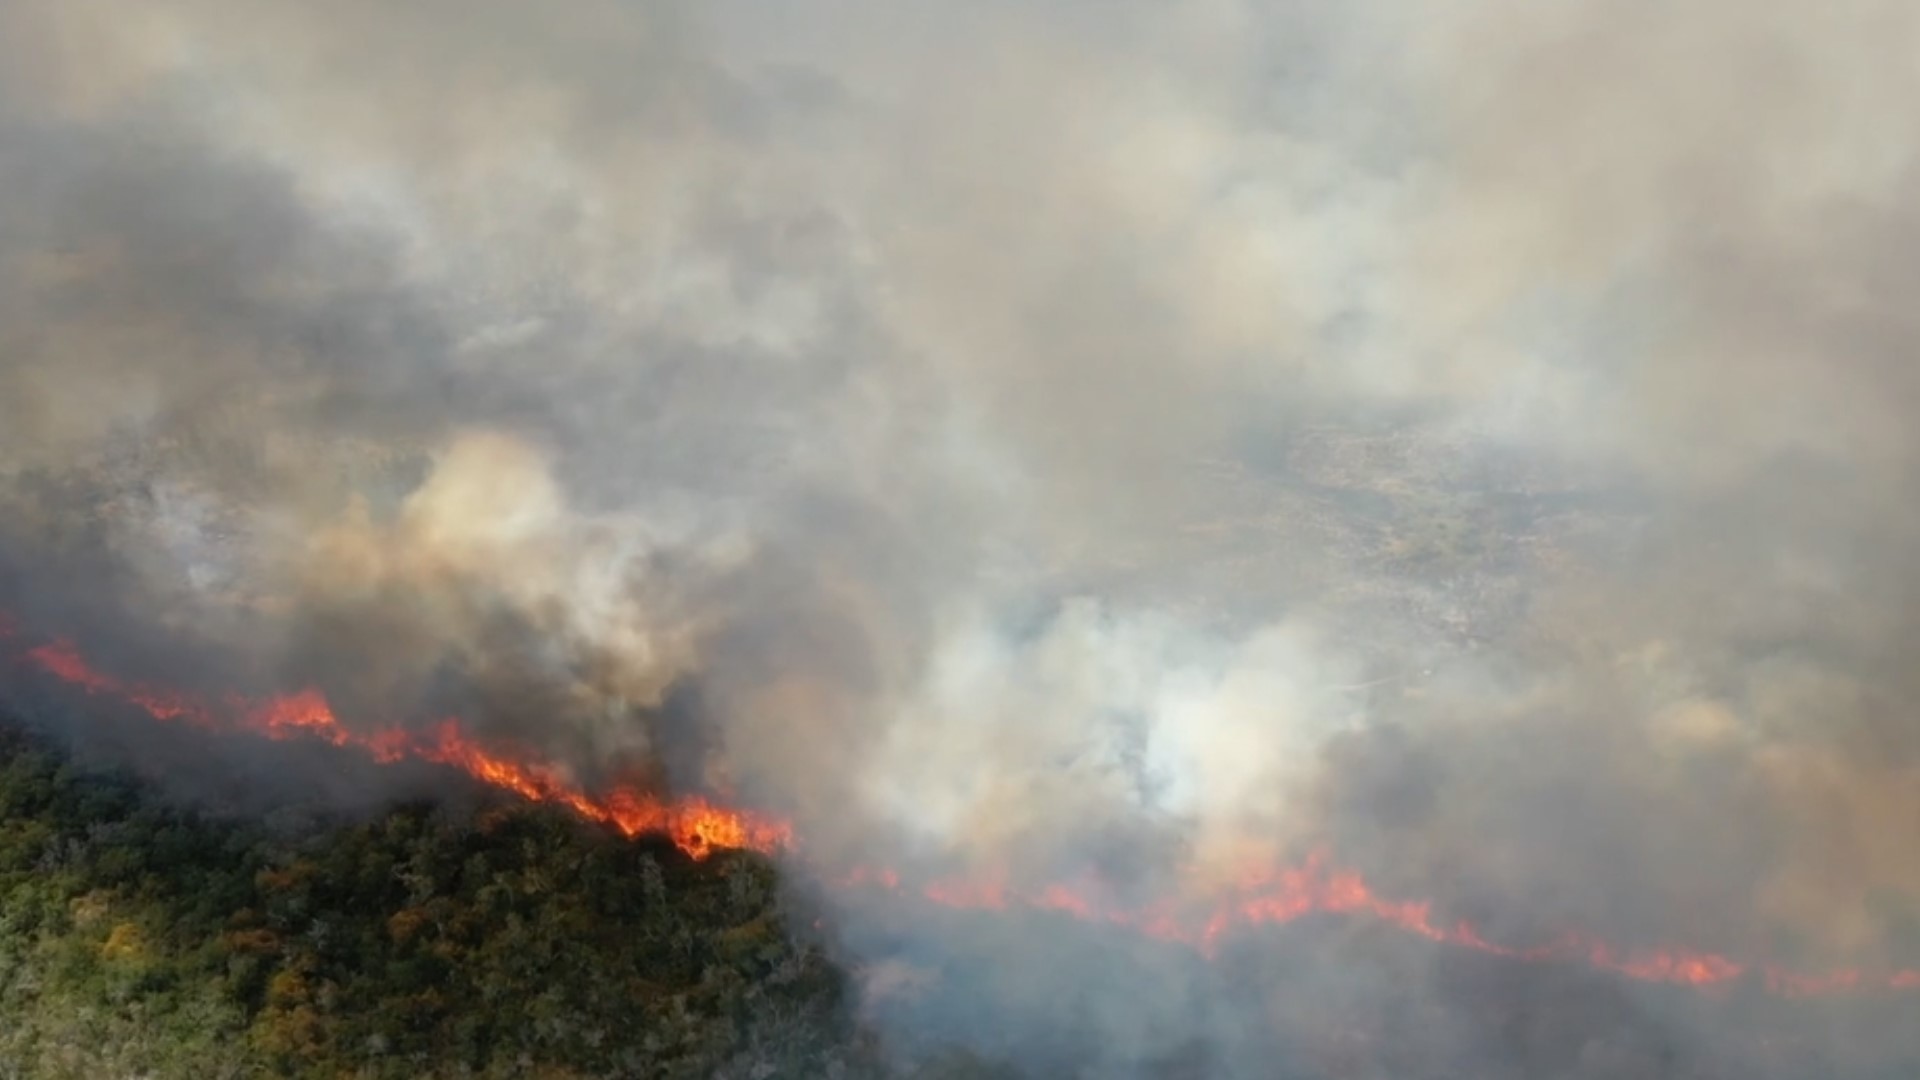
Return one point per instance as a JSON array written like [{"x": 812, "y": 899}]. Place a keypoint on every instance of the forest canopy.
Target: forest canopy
[{"x": 139, "y": 937}]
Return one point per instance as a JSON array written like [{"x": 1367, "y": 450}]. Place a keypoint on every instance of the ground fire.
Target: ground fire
[{"x": 1318, "y": 885}]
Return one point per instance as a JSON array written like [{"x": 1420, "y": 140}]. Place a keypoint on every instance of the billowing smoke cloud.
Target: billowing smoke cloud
[{"x": 1048, "y": 439}]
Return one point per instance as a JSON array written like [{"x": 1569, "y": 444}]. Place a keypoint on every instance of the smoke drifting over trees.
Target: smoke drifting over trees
[{"x": 1057, "y": 439}]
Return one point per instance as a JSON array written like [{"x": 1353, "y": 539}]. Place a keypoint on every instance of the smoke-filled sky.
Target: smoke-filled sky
[{"x": 1120, "y": 438}]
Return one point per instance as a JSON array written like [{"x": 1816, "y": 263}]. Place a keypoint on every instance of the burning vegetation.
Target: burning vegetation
[
  {"x": 700, "y": 827},
  {"x": 1377, "y": 539}
]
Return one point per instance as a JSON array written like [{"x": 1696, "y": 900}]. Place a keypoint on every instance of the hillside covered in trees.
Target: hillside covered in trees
[
  {"x": 148, "y": 934},
  {"x": 142, "y": 938}
]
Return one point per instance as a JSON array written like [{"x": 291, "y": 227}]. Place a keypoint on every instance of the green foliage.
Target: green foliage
[{"x": 138, "y": 939}]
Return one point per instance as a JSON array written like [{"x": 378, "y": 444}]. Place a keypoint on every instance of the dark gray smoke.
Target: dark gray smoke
[{"x": 1048, "y": 440}]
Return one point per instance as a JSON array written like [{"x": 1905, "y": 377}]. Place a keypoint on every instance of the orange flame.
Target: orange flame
[{"x": 699, "y": 827}]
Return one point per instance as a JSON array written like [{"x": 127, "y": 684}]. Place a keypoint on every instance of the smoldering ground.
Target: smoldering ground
[{"x": 1057, "y": 439}]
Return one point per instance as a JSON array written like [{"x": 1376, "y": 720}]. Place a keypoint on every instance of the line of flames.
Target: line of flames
[
  {"x": 701, "y": 827},
  {"x": 696, "y": 825}
]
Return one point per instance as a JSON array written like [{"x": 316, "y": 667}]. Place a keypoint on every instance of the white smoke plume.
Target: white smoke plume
[{"x": 1150, "y": 440}]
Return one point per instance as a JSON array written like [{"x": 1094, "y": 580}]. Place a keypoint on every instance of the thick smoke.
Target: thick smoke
[{"x": 1041, "y": 440}]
